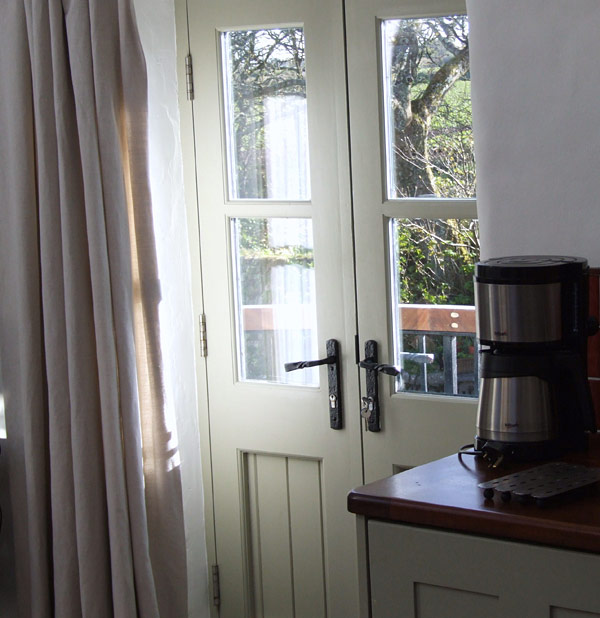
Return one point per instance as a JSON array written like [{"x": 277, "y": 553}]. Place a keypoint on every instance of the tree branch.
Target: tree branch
[{"x": 445, "y": 77}]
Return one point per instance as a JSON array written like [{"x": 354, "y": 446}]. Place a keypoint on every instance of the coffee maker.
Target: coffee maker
[{"x": 532, "y": 326}]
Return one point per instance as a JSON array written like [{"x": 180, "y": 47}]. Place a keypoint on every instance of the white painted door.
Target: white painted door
[
  {"x": 281, "y": 88},
  {"x": 422, "y": 321},
  {"x": 277, "y": 270}
]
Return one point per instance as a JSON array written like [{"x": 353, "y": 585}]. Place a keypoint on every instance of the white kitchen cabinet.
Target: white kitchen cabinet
[
  {"x": 429, "y": 573},
  {"x": 432, "y": 546}
]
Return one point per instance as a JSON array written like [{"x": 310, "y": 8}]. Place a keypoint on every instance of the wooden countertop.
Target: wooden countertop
[{"x": 444, "y": 494}]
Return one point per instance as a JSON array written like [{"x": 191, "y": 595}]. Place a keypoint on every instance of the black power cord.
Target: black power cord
[
  {"x": 492, "y": 454},
  {"x": 469, "y": 449}
]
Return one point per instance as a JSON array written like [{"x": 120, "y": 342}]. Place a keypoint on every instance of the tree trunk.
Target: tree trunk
[{"x": 413, "y": 173}]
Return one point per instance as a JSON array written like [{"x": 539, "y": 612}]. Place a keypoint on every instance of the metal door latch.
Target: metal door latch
[
  {"x": 370, "y": 404},
  {"x": 332, "y": 360},
  {"x": 366, "y": 408}
]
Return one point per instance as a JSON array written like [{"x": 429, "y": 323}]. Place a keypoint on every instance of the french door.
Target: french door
[
  {"x": 411, "y": 222},
  {"x": 300, "y": 240}
]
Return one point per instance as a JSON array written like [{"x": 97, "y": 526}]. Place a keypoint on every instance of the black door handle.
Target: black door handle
[
  {"x": 305, "y": 364},
  {"x": 390, "y": 370},
  {"x": 334, "y": 378},
  {"x": 371, "y": 411}
]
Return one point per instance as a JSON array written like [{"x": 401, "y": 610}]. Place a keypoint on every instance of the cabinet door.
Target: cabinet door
[{"x": 421, "y": 573}]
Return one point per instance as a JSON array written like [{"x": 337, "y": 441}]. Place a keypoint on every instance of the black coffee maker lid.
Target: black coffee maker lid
[{"x": 517, "y": 269}]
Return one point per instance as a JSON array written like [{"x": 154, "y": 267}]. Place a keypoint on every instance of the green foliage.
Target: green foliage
[
  {"x": 436, "y": 260},
  {"x": 258, "y": 256},
  {"x": 255, "y": 244}
]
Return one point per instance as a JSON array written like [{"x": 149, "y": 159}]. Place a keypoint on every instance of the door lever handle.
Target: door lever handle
[
  {"x": 305, "y": 364},
  {"x": 371, "y": 365},
  {"x": 334, "y": 378}
]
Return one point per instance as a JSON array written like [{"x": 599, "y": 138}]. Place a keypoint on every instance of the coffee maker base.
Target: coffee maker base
[{"x": 495, "y": 452}]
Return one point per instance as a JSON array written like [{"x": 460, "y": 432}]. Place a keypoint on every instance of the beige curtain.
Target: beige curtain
[{"x": 95, "y": 485}]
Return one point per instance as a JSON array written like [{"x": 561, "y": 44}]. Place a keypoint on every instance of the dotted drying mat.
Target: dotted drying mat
[{"x": 550, "y": 481}]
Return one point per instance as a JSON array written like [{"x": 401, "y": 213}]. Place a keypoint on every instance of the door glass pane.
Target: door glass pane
[
  {"x": 275, "y": 298},
  {"x": 427, "y": 107},
  {"x": 433, "y": 313},
  {"x": 265, "y": 110}
]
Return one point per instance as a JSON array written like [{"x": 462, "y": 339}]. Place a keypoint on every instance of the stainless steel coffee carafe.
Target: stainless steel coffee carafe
[{"x": 532, "y": 326}]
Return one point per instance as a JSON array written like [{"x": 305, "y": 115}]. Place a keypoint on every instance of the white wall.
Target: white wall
[{"x": 536, "y": 107}]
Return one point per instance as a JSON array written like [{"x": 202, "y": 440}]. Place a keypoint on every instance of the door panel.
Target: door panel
[
  {"x": 415, "y": 426},
  {"x": 277, "y": 270},
  {"x": 435, "y": 345},
  {"x": 275, "y": 298},
  {"x": 264, "y": 101},
  {"x": 285, "y": 535}
]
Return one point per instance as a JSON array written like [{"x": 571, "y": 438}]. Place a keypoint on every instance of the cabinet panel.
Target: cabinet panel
[
  {"x": 561, "y": 612},
  {"x": 435, "y": 601},
  {"x": 421, "y": 573}
]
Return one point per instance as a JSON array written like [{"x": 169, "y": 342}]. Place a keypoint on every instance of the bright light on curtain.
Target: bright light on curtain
[
  {"x": 98, "y": 527},
  {"x": 156, "y": 24}
]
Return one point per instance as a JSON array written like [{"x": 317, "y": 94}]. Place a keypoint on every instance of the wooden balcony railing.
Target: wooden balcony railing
[
  {"x": 459, "y": 319},
  {"x": 456, "y": 319},
  {"x": 459, "y": 376}
]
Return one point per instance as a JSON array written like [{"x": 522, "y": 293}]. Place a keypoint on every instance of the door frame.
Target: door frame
[{"x": 187, "y": 132}]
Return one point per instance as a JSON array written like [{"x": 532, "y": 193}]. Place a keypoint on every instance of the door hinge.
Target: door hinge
[
  {"x": 216, "y": 587},
  {"x": 203, "y": 339},
  {"x": 189, "y": 77}
]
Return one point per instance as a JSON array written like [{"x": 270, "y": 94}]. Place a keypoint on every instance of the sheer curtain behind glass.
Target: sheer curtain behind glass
[{"x": 95, "y": 485}]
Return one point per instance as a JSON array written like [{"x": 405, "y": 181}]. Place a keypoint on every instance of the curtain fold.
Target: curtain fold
[{"x": 96, "y": 496}]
